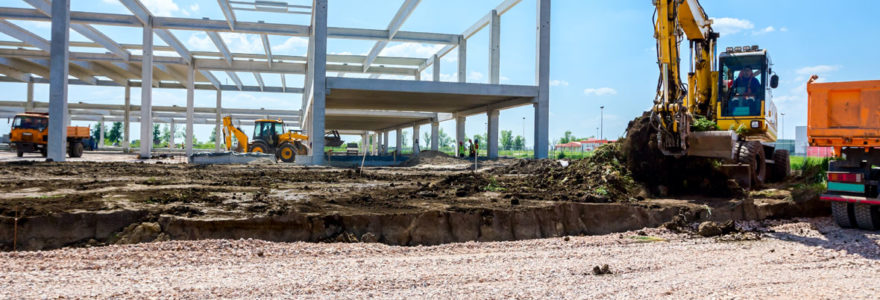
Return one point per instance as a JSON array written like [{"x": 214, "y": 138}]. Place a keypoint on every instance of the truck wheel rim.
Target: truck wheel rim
[{"x": 258, "y": 149}]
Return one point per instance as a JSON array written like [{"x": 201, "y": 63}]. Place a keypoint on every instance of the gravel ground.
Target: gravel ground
[{"x": 809, "y": 258}]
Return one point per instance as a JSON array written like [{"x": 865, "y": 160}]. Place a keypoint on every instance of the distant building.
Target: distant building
[
  {"x": 585, "y": 145},
  {"x": 800, "y": 140},
  {"x": 786, "y": 145}
]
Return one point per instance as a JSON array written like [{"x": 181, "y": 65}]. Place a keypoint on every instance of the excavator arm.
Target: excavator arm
[
  {"x": 229, "y": 131},
  {"x": 677, "y": 103}
]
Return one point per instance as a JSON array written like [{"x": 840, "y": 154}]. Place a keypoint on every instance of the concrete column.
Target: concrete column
[
  {"x": 385, "y": 142},
  {"x": 418, "y": 76},
  {"x": 435, "y": 135},
  {"x": 318, "y": 71},
  {"x": 364, "y": 142},
  {"x": 374, "y": 144},
  {"x": 171, "y": 138},
  {"x": 147, "y": 93},
  {"x": 217, "y": 123},
  {"x": 436, "y": 68},
  {"x": 460, "y": 138},
  {"x": 29, "y": 106},
  {"x": 416, "y": 148},
  {"x": 492, "y": 134},
  {"x": 126, "y": 120},
  {"x": 399, "y": 141},
  {"x": 58, "y": 71},
  {"x": 462, "y": 60},
  {"x": 190, "y": 95},
  {"x": 101, "y": 133},
  {"x": 542, "y": 78},
  {"x": 494, "y": 48}
]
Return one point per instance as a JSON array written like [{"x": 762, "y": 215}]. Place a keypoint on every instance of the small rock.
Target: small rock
[
  {"x": 260, "y": 254},
  {"x": 566, "y": 238},
  {"x": 603, "y": 270},
  {"x": 709, "y": 228},
  {"x": 369, "y": 237},
  {"x": 514, "y": 201}
]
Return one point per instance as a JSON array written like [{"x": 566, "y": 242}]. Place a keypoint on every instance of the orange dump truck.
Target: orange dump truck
[
  {"x": 30, "y": 133},
  {"x": 846, "y": 116}
]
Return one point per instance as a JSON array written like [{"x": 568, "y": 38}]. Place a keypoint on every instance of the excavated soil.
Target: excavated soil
[{"x": 50, "y": 205}]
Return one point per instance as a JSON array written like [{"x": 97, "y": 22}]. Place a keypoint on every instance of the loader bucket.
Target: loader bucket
[{"x": 715, "y": 144}]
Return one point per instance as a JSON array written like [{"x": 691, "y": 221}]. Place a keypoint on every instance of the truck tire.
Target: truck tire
[
  {"x": 781, "y": 165},
  {"x": 752, "y": 154},
  {"x": 76, "y": 149},
  {"x": 19, "y": 150},
  {"x": 867, "y": 216},
  {"x": 287, "y": 153},
  {"x": 843, "y": 214}
]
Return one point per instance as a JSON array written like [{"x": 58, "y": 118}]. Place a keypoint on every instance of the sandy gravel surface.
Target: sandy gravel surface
[{"x": 799, "y": 259}]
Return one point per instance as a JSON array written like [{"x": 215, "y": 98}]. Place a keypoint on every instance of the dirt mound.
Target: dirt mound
[
  {"x": 600, "y": 178},
  {"x": 530, "y": 166},
  {"x": 665, "y": 175},
  {"x": 429, "y": 157}
]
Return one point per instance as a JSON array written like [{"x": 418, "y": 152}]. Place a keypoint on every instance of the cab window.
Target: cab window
[
  {"x": 742, "y": 86},
  {"x": 279, "y": 129},
  {"x": 23, "y": 122}
]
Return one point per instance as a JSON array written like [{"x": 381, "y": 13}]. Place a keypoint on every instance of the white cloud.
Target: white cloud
[
  {"x": 162, "y": 7},
  {"x": 504, "y": 78},
  {"x": 810, "y": 70},
  {"x": 475, "y": 76},
  {"x": 194, "y": 7},
  {"x": 292, "y": 44},
  {"x": 731, "y": 25},
  {"x": 783, "y": 29},
  {"x": 556, "y": 82},
  {"x": 200, "y": 42},
  {"x": 767, "y": 29},
  {"x": 602, "y": 91}
]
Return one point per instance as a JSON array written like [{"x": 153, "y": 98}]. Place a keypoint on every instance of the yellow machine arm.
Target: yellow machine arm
[
  {"x": 676, "y": 103},
  {"x": 229, "y": 130}
]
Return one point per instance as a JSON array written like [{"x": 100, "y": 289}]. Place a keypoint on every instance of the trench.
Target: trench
[{"x": 434, "y": 227}]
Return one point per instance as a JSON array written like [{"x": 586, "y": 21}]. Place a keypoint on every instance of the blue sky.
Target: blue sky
[{"x": 602, "y": 53}]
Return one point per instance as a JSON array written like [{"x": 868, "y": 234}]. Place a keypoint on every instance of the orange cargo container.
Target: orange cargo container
[{"x": 844, "y": 114}]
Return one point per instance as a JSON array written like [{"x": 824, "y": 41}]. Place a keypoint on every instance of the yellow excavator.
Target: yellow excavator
[
  {"x": 270, "y": 137},
  {"x": 724, "y": 110}
]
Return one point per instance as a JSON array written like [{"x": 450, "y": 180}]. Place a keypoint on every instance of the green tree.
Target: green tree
[
  {"x": 404, "y": 139},
  {"x": 506, "y": 139},
  {"x": 213, "y": 134},
  {"x": 96, "y": 132},
  {"x": 156, "y": 135},
  {"x": 166, "y": 135},
  {"x": 519, "y": 142},
  {"x": 115, "y": 134},
  {"x": 427, "y": 139},
  {"x": 446, "y": 140},
  {"x": 568, "y": 137}
]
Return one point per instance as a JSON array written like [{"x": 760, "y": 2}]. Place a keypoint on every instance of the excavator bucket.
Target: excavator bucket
[{"x": 715, "y": 144}]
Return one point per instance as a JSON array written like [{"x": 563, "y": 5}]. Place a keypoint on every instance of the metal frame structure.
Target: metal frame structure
[{"x": 36, "y": 60}]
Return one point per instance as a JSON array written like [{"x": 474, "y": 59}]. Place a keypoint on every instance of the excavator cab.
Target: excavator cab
[{"x": 744, "y": 99}]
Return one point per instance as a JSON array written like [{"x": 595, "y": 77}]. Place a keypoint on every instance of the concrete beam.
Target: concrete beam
[
  {"x": 436, "y": 69},
  {"x": 318, "y": 73},
  {"x": 217, "y": 129},
  {"x": 397, "y": 21},
  {"x": 462, "y": 60},
  {"x": 59, "y": 67},
  {"x": 190, "y": 95},
  {"x": 126, "y": 120},
  {"x": 24, "y": 35}
]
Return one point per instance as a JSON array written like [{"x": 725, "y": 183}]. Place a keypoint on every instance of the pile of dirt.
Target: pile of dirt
[
  {"x": 531, "y": 166},
  {"x": 429, "y": 157},
  {"x": 602, "y": 177},
  {"x": 664, "y": 175}
]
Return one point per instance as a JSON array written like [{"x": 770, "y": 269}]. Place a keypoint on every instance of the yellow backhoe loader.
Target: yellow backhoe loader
[{"x": 270, "y": 137}]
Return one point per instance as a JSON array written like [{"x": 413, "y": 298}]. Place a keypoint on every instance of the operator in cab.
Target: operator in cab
[{"x": 747, "y": 94}]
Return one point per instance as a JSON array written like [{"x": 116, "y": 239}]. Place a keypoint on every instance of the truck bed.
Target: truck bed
[
  {"x": 78, "y": 132},
  {"x": 844, "y": 114}
]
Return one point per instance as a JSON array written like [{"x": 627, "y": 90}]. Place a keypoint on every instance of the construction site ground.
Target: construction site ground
[
  {"x": 435, "y": 201},
  {"x": 797, "y": 259}
]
